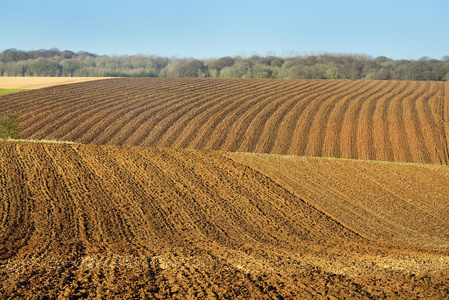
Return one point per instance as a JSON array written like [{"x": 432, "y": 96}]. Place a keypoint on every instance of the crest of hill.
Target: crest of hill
[{"x": 401, "y": 121}]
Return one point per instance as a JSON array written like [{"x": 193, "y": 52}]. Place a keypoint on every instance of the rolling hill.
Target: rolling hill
[
  {"x": 86, "y": 221},
  {"x": 227, "y": 189},
  {"x": 398, "y": 121}
]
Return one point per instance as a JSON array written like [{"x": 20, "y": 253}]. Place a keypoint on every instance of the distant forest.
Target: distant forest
[{"x": 66, "y": 63}]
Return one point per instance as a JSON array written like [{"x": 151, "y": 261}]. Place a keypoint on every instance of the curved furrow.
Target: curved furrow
[
  {"x": 415, "y": 134},
  {"x": 320, "y": 123},
  {"x": 39, "y": 119},
  {"x": 251, "y": 134},
  {"x": 445, "y": 118},
  {"x": 436, "y": 102},
  {"x": 348, "y": 128},
  {"x": 304, "y": 115},
  {"x": 442, "y": 148},
  {"x": 302, "y": 99},
  {"x": 270, "y": 133},
  {"x": 337, "y": 138},
  {"x": 202, "y": 129},
  {"x": 214, "y": 131},
  {"x": 240, "y": 138},
  {"x": 353, "y": 114},
  {"x": 259, "y": 121},
  {"x": 317, "y": 120},
  {"x": 110, "y": 131},
  {"x": 196, "y": 103},
  {"x": 396, "y": 132},
  {"x": 69, "y": 117},
  {"x": 433, "y": 138},
  {"x": 166, "y": 132},
  {"x": 291, "y": 117},
  {"x": 120, "y": 131},
  {"x": 143, "y": 99},
  {"x": 90, "y": 116},
  {"x": 382, "y": 143},
  {"x": 197, "y": 118},
  {"x": 231, "y": 130},
  {"x": 64, "y": 109},
  {"x": 61, "y": 96},
  {"x": 403, "y": 152},
  {"x": 91, "y": 125},
  {"x": 135, "y": 92},
  {"x": 271, "y": 136},
  {"x": 239, "y": 130},
  {"x": 403, "y": 141},
  {"x": 41, "y": 99},
  {"x": 13, "y": 103},
  {"x": 121, "y": 122},
  {"x": 365, "y": 121}
]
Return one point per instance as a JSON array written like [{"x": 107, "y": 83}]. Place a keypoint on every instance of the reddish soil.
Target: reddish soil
[
  {"x": 86, "y": 221},
  {"x": 377, "y": 120}
]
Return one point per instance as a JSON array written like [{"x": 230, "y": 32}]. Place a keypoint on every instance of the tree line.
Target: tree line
[{"x": 54, "y": 62}]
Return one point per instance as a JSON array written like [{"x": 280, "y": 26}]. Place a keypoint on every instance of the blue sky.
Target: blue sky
[{"x": 398, "y": 29}]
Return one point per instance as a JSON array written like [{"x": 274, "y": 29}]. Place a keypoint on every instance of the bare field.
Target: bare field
[
  {"x": 296, "y": 204},
  {"x": 31, "y": 83},
  {"x": 375, "y": 120},
  {"x": 85, "y": 221},
  {"x": 397, "y": 202}
]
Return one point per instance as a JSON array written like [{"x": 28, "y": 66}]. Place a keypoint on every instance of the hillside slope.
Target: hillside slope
[
  {"x": 404, "y": 203},
  {"x": 91, "y": 221},
  {"x": 377, "y": 120}
]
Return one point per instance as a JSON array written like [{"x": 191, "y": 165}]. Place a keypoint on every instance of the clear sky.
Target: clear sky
[{"x": 398, "y": 29}]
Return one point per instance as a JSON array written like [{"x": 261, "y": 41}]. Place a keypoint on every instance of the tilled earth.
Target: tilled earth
[
  {"x": 85, "y": 221},
  {"x": 400, "y": 121}
]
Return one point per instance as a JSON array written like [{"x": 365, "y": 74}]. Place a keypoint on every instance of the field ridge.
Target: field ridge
[{"x": 402, "y": 121}]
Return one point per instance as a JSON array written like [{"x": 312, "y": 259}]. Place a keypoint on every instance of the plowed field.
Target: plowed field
[
  {"x": 86, "y": 221},
  {"x": 107, "y": 218},
  {"x": 376, "y": 120},
  {"x": 406, "y": 203}
]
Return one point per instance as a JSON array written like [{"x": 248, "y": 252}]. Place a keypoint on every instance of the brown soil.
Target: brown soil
[
  {"x": 31, "y": 83},
  {"x": 86, "y": 221},
  {"x": 377, "y": 120},
  {"x": 399, "y": 202}
]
